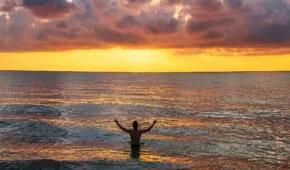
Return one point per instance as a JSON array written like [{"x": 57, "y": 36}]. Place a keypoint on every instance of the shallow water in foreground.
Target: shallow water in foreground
[{"x": 205, "y": 120}]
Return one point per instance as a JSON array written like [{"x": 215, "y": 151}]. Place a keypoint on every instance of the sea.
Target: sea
[{"x": 65, "y": 120}]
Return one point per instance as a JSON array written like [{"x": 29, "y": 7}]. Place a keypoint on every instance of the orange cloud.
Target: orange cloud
[{"x": 96, "y": 24}]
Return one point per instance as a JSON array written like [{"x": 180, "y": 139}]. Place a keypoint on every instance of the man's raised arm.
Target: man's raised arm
[
  {"x": 149, "y": 128},
  {"x": 121, "y": 127}
]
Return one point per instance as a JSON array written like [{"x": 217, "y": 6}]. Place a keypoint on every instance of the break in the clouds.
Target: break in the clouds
[{"x": 44, "y": 25}]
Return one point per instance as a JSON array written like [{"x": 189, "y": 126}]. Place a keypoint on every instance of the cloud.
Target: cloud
[
  {"x": 237, "y": 5},
  {"x": 136, "y": 2},
  {"x": 163, "y": 26},
  {"x": 210, "y": 5},
  {"x": 272, "y": 26},
  {"x": 32, "y": 25},
  {"x": 271, "y": 34},
  {"x": 7, "y": 5},
  {"x": 112, "y": 36},
  {"x": 49, "y": 8},
  {"x": 157, "y": 23},
  {"x": 202, "y": 25},
  {"x": 127, "y": 21},
  {"x": 62, "y": 25},
  {"x": 212, "y": 35}
]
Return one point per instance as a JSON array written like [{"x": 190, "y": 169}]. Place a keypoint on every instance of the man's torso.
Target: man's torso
[{"x": 135, "y": 137}]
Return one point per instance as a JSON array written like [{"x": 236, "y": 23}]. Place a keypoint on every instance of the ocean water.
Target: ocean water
[{"x": 60, "y": 120}]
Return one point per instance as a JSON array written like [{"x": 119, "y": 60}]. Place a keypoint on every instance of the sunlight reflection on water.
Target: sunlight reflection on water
[{"x": 206, "y": 121}]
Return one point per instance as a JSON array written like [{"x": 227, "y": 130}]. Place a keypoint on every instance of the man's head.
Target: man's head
[{"x": 135, "y": 125}]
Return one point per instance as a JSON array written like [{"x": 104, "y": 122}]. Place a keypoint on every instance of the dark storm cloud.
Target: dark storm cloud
[
  {"x": 159, "y": 23},
  {"x": 112, "y": 36},
  {"x": 211, "y": 5},
  {"x": 271, "y": 34},
  {"x": 273, "y": 27},
  {"x": 31, "y": 25},
  {"x": 199, "y": 26},
  {"x": 127, "y": 21},
  {"x": 138, "y": 1},
  {"x": 237, "y": 5},
  {"x": 212, "y": 35},
  {"x": 49, "y": 8},
  {"x": 153, "y": 23},
  {"x": 62, "y": 25},
  {"x": 163, "y": 27}
]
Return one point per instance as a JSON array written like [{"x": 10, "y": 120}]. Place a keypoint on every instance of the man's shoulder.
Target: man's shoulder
[{"x": 135, "y": 131}]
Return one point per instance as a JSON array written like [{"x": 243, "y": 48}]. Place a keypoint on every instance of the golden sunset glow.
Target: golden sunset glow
[
  {"x": 139, "y": 60},
  {"x": 144, "y": 84},
  {"x": 145, "y": 36}
]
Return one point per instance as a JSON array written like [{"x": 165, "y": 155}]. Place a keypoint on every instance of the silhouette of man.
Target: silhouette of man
[{"x": 135, "y": 134}]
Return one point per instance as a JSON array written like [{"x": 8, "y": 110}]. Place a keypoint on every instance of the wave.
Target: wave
[
  {"x": 48, "y": 164},
  {"x": 41, "y": 110},
  {"x": 30, "y": 131},
  {"x": 37, "y": 164}
]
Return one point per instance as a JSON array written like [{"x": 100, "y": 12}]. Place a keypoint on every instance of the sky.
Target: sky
[{"x": 145, "y": 35}]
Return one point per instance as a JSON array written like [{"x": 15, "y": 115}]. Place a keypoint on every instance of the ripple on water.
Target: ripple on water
[
  {"x": 90, "y": 165},
  {"x": 14, "y": 131},
  {"x": 181, "y": 131},
  {"x": 90, "y": 134},
  {"x": 29, "y": 109}
]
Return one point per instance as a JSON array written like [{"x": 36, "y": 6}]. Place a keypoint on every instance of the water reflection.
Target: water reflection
[{"x": 206, "y": 121}]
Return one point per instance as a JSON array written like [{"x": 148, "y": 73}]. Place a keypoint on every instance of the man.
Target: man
[{"x": 135, "y": 134}]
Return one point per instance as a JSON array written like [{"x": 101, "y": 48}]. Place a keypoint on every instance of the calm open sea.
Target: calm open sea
[{"x": 205, "y": 120}]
